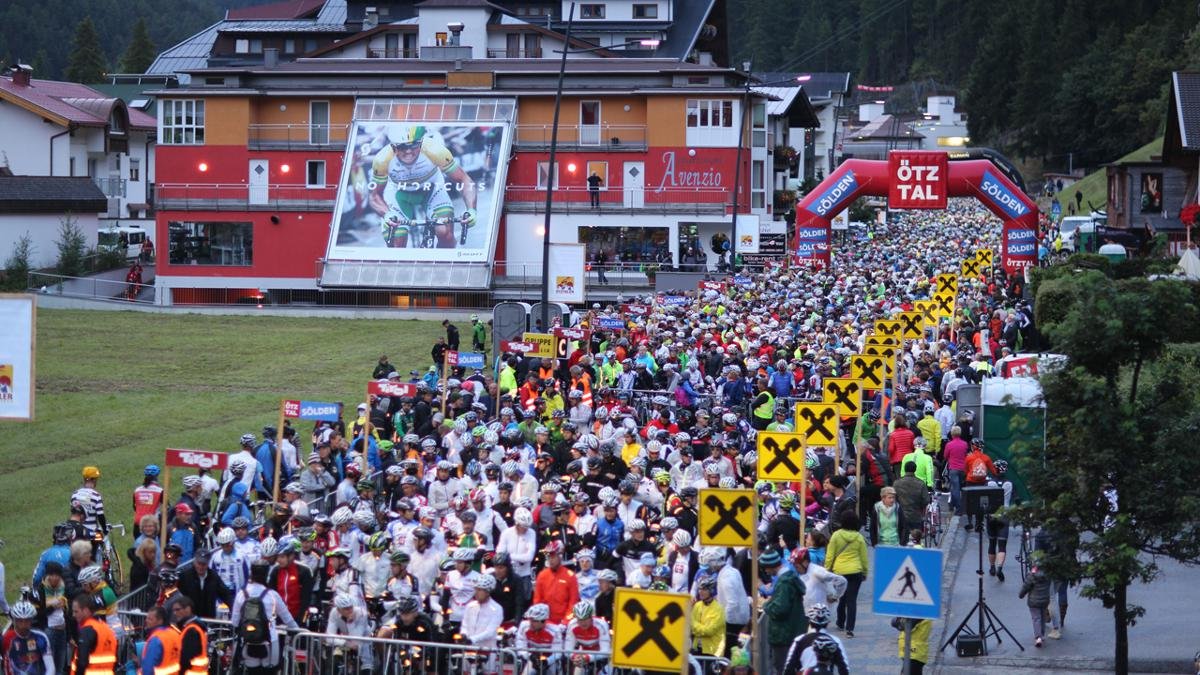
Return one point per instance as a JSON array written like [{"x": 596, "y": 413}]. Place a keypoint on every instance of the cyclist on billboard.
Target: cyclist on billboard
[{"x": 410, "y": 176}]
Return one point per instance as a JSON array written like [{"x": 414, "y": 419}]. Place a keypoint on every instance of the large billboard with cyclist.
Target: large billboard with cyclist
[{"x": 419, "y": 191}]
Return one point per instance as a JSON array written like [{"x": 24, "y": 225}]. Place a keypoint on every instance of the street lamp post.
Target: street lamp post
[
  {"x": 737, "y": 169},
  {"x": 552, "y": 172}
]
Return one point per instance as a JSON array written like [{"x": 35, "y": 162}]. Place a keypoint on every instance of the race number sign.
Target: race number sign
[
  {"x": 197, "y": 459},
  {"x": 918, "y": 180}
]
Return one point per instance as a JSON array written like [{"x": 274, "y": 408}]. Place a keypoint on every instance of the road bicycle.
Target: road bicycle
[
  {"x": 931, "y": 525},
  {"x": 110, "y": 560},
  {"x": 1025, "y": 552},
  {"x": 422, "y": 233}
]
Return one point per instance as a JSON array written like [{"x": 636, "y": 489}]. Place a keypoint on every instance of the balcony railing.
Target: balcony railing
[
  {"x": 242, "y": 197},
  {"x": 687, "y": 201},
  {"x": 394, "y": 53},
  {"x": 506, "y": 53},
  {"x": 111, "y": 187},
  {"x": 298, "y": 136},
  {"x": 630, "y": 137}
]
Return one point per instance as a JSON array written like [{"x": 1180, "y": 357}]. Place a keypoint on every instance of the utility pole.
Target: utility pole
[{"x": 553, "y": 171}]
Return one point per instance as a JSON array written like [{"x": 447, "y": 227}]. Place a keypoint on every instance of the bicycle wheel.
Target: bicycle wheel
[
  {"x": 937, "y": 524},
  {"x": 115, "y": 570}
]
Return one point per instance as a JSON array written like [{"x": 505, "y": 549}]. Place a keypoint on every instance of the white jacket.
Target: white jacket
[
  {"x": 732, "y": 595},
  {"x": 358, "y": 626},
  {"x": 276, "y": 608},
  {"x": 821, "y": 585},
  {"x": 520, "y": 548},
  {"x": 480, "y": 623}
]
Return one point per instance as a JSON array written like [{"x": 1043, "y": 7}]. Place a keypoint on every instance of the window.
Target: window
[
  {"x": 211, "y": 243},
  {"x": 135, "y": 169},
  {"x": 72, "y": 167},
  {"x": 627, "y": 244},
  {"x": 246, "y": 46},
  {"x": 543, "y": 175},
  {"x": 758, "y": 196},
  {"x": 601, "y": 170},
  {"x": 181, "y": 122},
  {"x": 533, "y": 46},
  {"x": 591, "y": 11},
  {"x": 759, "y": 135},
  {"x": 289, "y": 46},
  {"x": 315, "y": 173},
  {"x": 310, "y": 44},
  {"x": 91, "y": 167},
  {"x": 441, "y": 39},
  {"x": 645, "y": 11},
  {"x": 318, "y": 122},
  {"x": 705, "y": 113}
]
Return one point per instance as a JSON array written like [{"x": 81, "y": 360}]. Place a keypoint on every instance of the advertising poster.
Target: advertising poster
[
  {"x": 17, "y": 317},
  {"x": 1152, "y": 194},
  {"x": 747, "y": 234},
  {"x": 419, "y": 191},
  {"x": 567, "y": 263}
]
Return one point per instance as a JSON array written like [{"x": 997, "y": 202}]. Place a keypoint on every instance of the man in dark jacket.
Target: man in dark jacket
[
  {"x": 912, "y": 495},
  {"x": 785, "y": 609},
  {"x": 451, "y": 334},
  {"x": 203, "y": 586}
]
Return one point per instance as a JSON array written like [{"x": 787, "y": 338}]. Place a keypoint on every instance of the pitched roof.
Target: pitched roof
[
  {"x": 287, "y": 9},
  {"x": 50, "y": 194},
  {"x": 818, "y": 85},
  {"x": 1187, "y": 108},
  {"x": 884, "y": 127},
  {"x": 69, "y": 103},
  {"x": 792, "y": 103}
]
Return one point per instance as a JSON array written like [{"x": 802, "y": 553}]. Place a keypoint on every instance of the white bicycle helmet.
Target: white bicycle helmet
[
  {"x": 226, "y": 536},
  {"x": 343, "y": 601},
  {"x": 342, "y": 516},
  {"x": 268, "y": 547},
  {"x": 523, "y": 517},
  {"x": 92, "y": 574},
  {"x": 22, "y": 610},
  {"x": 486, "y": 582},
  {"x": 538, "y": 612}
]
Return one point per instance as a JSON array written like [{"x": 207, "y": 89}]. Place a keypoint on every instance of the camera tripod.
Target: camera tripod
[{"x": 989, "y": 624}]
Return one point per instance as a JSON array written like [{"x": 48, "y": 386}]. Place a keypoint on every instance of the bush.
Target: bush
[
  {"x": 72, "y": 248},
  {"x": 107, "y": 259},
  {"x": 16, "y": 268}
]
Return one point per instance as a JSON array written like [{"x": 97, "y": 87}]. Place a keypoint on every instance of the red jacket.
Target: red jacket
[
  {"x": 900, "y": 443},
  {"x": 559, "y": 589}
]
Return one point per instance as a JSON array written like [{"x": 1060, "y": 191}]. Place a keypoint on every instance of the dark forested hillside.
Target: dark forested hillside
[
  {"x": 40, "y": 32},
  {"x": 1039, "y": 78}
]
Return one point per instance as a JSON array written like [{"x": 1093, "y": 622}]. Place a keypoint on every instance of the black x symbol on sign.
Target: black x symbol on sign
[
  {"x": 816, "y": 422},
  {"x": 984, "y": 256},
  {"x": 871, "y": 369},
  {"x": 914, "y": 323},
  {"x": 841, "y": 395},
  {"x": 727, "y": 517},
  {"x": 948, "y": 282},
  {"x": 970, "y": 268},
  {"x": 888, "y": 328},
  {"x": 945, "y": 303},
  {"x": 927, "y": 311},
  {"x": 781, "y": 455},
  {"x": 652, "y": 628}
]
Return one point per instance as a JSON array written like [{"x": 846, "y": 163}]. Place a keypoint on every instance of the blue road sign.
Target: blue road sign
[{"x": 908, "y": 582}]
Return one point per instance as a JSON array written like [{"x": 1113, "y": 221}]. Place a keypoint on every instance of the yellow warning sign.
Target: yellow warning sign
[
  {"x": 845, "y": 393},
  {"x": 866, "y": 368},
  {"x": 818, "y": 422},
  {"x": 650, "y": 630},
  {"x": 912, "y": 325},
  {"x": 780, "y": 456},
  {"x": 726, "y": 517},
  {"x": 947, "y": 282}
]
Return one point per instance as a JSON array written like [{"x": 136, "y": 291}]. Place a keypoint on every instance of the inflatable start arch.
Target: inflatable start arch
[{"x": 917, "y": 180}]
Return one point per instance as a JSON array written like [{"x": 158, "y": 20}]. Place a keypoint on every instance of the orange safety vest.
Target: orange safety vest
[
  {"x": 583, "y": 384},
  {"x": 103, "y": 659},
  {"x": 199, "y": 664},
  {"x": 171, "y": 643}
]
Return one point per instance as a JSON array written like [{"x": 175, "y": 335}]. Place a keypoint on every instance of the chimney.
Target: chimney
[
  {"x": 456, "y": 29},
  {"x": 371, "y": 18},
  {"x": 22, "y": 74},
  {"x": 270, "y": 57}
]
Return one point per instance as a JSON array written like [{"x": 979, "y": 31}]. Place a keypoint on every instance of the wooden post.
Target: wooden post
[
  {"x": 445, "y": 373},
  {"x": 162, "y": 535},
  {"x": 754, "y": 585},
  {"x": 803, "y": 501},
  {"x": 362, "y": 458},
  {"x": 858, "y": 472},
  {"x": 279, "y": 455}
]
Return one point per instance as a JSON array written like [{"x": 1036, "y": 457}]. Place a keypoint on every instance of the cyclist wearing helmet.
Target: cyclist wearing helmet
[
  {"x": 28, "y": 650},
  {"x": 979, "y": 469},
  {"x": 538, "y": 640},
  {"x": 899, "y": 442},
  {"x": 229, "y": 563},
  {"x": 817, "y": 646},
  {"x": 482, "y": 616},
  {"x": 374, "y": 567},
  {"x": 409, "y": 623},
  {"x": 147, "y": 499},
  {"x": 92, "y": 502},
  {"x": 291, "y": 580},
  {"x": 997, "y": 526},
  {"x": 587, "y": 632},
  {"x": 274, "y": 611},
  {"x": 708, "y": 619},
  {"x": 350, "y": 618},
  {"x": 59, "y": 552},
  {"x": 922, "y": 459}
]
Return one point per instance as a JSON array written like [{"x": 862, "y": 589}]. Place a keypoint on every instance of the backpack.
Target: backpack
[
  {"x": 977, "y": 470},
  {"x": 254, "y": 627}
]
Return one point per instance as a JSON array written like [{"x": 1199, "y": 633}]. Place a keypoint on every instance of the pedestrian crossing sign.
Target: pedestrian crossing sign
[{"x": 908, "y": 582}]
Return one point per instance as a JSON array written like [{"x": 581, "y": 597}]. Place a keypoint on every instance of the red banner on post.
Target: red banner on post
[
  {"x": 709, "y": 285},
  {"x": 918, "y": 180},
  {"x": 385, "y": 388},
  {"x": 517, "y": 347},
  {"x": 572, "y": 333},
  {"x": 197, "y": 459}
]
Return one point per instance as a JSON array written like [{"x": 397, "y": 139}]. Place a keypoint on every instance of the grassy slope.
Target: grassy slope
[
  {"x": 116, "y": 388},
  {"x": 1094, "y": 186}
]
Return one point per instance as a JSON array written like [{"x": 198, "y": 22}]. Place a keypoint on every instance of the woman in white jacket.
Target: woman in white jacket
[{"x": 820, "y": 585}]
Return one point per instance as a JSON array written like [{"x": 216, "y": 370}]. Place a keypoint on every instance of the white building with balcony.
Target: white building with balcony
[{"x": 66, "y": 129}]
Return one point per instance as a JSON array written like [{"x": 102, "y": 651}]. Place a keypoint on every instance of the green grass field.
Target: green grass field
[
  {"x": 1094, "y": 186},
  {"x": 114, "y": 389}
]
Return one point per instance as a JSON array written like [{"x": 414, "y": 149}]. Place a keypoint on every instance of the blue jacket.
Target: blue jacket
[
  {"x": 59, "y": 553},
  {"x": 609, "y": 534},
  {"x": 781, "y": 384},
  {"x": 186, "y": 540},
  {"x": 265, "y": 454}
]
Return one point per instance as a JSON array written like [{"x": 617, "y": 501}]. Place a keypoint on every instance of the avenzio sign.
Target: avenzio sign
[{"x": 690, "y": 173}]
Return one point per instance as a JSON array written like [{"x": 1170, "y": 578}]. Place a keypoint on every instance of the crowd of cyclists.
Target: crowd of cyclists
[{"x": 502, "y": 513}]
